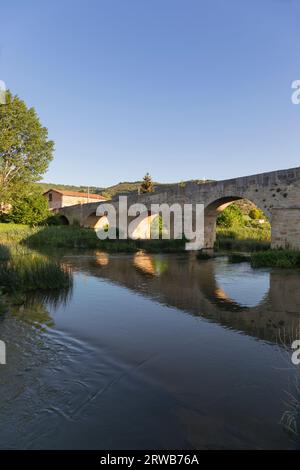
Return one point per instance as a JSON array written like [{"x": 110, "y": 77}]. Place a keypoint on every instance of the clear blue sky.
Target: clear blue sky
[{"x": 180, "y": 88}]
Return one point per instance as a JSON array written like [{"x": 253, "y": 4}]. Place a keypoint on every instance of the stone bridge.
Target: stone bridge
[{"x": 276, "y": 193}]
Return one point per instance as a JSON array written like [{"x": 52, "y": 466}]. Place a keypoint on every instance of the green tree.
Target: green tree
[
  {"x": 25, "y": 151},
  {"x": 31, "y": 209},
  {"x": 230, "y": 217},
  {"x": 147, "y": 184}
]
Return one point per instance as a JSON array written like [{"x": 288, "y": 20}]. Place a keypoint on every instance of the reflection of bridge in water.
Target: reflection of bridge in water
[{"x": 196, "y": 287}]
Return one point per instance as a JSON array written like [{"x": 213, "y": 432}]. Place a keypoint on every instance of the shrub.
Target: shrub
[
  {"x": 230, "y": 217},
  {"x": 31, "y": 209},
  {"x": 256, "y": 214}
]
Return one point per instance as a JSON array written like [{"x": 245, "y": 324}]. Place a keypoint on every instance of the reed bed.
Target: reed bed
[{"x": 25, "y": 271}]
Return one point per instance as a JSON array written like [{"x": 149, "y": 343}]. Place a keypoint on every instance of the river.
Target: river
[{"x": 152, "y": 352}]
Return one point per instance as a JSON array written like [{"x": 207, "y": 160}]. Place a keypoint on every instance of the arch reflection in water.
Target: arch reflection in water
[
  {"x": 258, "y": 302},
  {"x": 238, "y": 284},
  {"x": 149, "y": 264},
  {"x": 102, "y": 258}
]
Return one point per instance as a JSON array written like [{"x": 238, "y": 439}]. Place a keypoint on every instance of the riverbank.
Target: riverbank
[
  {"x": 289, "y": 259},
  {"x": 275, "y": 259},
  {"x": 73, "y": 237},
  {"x": 23, "y": 272},
  {"x": 76, "y": 237},
  {"x": 269, "y": 259},
  {"x": 250, "y": 240}
]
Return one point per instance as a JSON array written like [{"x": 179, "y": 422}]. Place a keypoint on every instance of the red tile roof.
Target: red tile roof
[{"x": 76, "y": 194}]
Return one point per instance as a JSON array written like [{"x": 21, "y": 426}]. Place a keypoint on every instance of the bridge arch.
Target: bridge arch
[
  {"x": 215, "y": 206},
  {"x": 140, "y": 226},
  {"x": 94, "y": 221},
  {"x": 63, "y": 220}
]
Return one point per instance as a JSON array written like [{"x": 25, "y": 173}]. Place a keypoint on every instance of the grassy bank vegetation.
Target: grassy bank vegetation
[
  {"x": 243, "y": 238},
  {"x": 241, "y": 229},
  {"x": 15, "y": 233},
  {"x": 261, "y": 258},
  {"x": 39, "y": 273},
  {"x": 23, "y": 271},
  {"x": 236, "y": 230},
  {"x": 71, "y": 237},
  {"x": 276, "y": 258}
]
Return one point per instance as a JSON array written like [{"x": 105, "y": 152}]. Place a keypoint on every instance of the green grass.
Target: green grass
[
  {"x": 243, "y": 238},
  {"x": 276, "y": 258},
  {"x": 82, "y": 238},
  {"x": 71, "y": 237},
  {"x": 20, "y": 267},
  {"x": 23, "y": 271},
  {"x": 62, "y": 237},
  {"x": 15, "y": 233},
  {"x": 4, "y": 253},
  {"x": 259, "y": 232}
]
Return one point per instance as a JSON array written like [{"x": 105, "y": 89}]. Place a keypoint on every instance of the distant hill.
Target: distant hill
[
  {"x": 124, "y": 187},
  {"x": 66, "y": 187},
  {"x": 109, "y": 192}
]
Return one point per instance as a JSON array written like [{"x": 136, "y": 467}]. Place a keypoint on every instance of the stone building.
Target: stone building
[{"x": 59, "y": 198}]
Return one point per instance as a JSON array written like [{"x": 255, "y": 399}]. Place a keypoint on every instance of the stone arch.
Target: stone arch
[
  {"x": 94, "y": 221},
  {"x": 214, "y": 207},
  {"x": 63, "y": 220}
]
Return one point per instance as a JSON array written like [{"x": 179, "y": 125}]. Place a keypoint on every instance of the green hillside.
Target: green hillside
[
  {"x": 82, "y": 189},
  {"x": 109, "y": 192}
]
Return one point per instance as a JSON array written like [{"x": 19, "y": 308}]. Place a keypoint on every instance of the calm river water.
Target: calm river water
[{"x": 152, "y": 352}]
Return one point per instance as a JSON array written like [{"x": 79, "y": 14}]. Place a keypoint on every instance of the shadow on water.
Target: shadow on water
[{"x": 257, "y": 302}]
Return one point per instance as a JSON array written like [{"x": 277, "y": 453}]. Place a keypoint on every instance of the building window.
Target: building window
[{"x": 50, "y": 197}]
